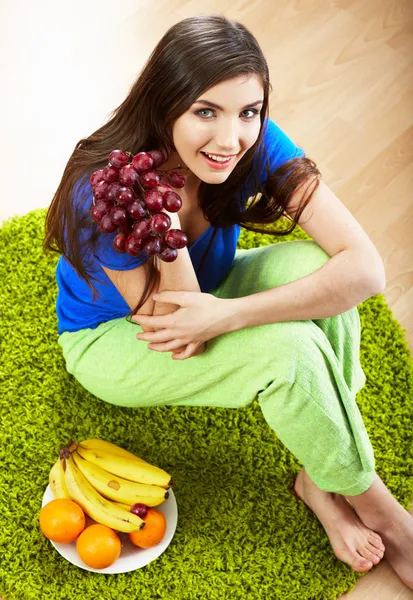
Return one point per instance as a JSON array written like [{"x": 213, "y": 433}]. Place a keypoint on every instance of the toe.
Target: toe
[
  {"x": 361, "y": 564},
  {"x": 376, "y": 541},
  {"x": 374, "y": 550},
  {"x": 369, "y": 554}
]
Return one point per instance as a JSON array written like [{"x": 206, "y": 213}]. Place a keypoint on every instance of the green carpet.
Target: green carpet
[{"x": 241, "y": 534}]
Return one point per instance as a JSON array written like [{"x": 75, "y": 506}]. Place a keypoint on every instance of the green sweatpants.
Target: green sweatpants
[{"x": 305, "y": 374}]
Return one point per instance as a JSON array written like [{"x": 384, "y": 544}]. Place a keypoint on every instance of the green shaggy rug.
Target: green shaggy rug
[{"x": 241, "y": 534}]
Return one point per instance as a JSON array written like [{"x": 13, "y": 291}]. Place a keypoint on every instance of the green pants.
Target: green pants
[{"x": 304, "y": 374}]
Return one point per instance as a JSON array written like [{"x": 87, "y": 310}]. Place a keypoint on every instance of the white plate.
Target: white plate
[{"x": 131, "y": 557}]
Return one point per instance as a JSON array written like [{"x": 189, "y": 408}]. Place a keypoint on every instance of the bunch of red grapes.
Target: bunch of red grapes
[{"x": 129, "y": 196}]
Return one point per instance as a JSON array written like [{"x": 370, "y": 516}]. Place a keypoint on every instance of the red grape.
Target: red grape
[
  {"x": 99, "y": 210},
  {"x": 168, "y": 254},
  {"x": 133, "y": 245},
  {"x": 149, "y": 179},
  {"x": 152, "y": 246},
  {"x": 153, "y": 200},
  {"x": 99, "y": 190},
  {"x": 125, "y": 195},
  {"x": 136, "y": 210},
  {"x": 112, "y": 190},
  {"x": 142, "y": 228},
  {"x": 119, "y": 242},
  {"x": 160, "y": 223},
  {"x": 128, "y": 176},
  {"x": 172, "y": 202},
  {"x": 176, "y": 179},
  {"x": 118, "y": 158},
  {"x": 164, "y": 188},
  {"x": 158, "y": 157},
  {"x": 142, "y": 162},
  {"x": 176, "y": 238},
  {"x": 106, "y": 225},
  {"x": 110, "y": 174},
  {"x": 126, "y": 228},
  {"x": 139, "y": 509},
  {"x": 118, "y": 216},
  {"x": 96, "y": 177}
]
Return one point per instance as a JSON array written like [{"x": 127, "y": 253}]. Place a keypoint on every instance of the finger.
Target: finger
[
  {"x": 189, "y": 351},
  {"x": 162, "y": 335},
  {"x": 173, "y": 345},
  {"x": 161, "y": 321}
]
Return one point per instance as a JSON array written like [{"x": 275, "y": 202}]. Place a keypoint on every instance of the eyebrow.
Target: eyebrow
[{"x": 220, "y": 107}]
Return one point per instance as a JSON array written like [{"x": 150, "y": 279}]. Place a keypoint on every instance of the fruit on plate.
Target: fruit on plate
[
  {"x": 62, "y": 520},
  {"x": 153, "y": 532},
  {"x": 117, "y": 488},
  {"x": 57, "y": 481},
  {"x": 100, "y": 509},
  {"x": 97, "y": 444},
  {"x": 98, "y": 546},
  {"x": 128, "y": 468}
]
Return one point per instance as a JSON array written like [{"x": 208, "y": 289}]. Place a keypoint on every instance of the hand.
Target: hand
[{"x": 200, "y": 317}]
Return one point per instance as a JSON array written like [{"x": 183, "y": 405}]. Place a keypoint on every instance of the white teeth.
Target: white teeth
[{"x": 218, "y": 158}]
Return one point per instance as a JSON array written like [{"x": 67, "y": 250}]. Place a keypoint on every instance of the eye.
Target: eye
[{"x": 252, "y": 110}]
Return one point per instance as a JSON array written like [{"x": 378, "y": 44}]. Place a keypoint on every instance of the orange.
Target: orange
[
  {"x": 62, "y": 520},
  {"x": 153, "y": 532},
  {"x": 98, "y": 546}
]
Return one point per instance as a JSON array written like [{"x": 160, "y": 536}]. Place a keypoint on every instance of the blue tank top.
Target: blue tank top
[{"x": 74, "y": 304}]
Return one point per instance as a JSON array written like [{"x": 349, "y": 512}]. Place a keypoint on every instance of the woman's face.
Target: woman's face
[{"x": 229, "y": 130}]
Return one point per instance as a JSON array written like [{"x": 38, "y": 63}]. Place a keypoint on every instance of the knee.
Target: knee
[{"x": 302, "y": 257}]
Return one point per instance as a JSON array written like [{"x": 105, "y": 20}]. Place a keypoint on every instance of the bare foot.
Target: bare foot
[
  {"x": 352, "y": 542},
  {"x": 398, "y": 538}
]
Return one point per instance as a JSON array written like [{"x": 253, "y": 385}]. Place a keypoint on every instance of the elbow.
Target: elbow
[{"x": 375, "y": 275}]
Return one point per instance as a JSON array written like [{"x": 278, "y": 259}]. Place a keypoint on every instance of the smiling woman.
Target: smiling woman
[{"x": 297, "y": 349}]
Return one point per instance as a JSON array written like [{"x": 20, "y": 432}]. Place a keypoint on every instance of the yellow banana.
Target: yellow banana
[
  {"x": 117, "y": 488},
  {"x": 125, "y": 467},
  {"x": 96, "y": 444},
  {"x": 96, "y": 506},
  {"x": 124, "y": 506},
  {"x": 57, "y": 481}
]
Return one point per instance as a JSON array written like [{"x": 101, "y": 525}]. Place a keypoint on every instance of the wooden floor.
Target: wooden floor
[{"x": 342, "y": 76}]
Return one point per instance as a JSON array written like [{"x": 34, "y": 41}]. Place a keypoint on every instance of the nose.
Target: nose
[{"x": 227, "y": 137}]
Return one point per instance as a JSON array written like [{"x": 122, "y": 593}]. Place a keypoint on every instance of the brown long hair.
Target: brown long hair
[{"x": 194, "y": 55}]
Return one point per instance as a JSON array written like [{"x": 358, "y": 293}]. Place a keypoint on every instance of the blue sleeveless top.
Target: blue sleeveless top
[{"x": 74, "y": 306}]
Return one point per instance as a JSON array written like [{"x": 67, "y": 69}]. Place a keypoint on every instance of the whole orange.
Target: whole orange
[
  {"x": 153, "y": 532},
  {"x": 98, "y": 546},
  {"x": 62, "y": 520}
]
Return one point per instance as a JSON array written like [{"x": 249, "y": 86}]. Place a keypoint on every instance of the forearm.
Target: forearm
[{"x": 339, "y": 285}]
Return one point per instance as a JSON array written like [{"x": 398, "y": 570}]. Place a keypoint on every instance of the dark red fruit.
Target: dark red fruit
[
  {"x": 153, "y": 201},
  {"x": 127, "y": 227},
  {"x": 164, "y": 188},
  {"x": 142, "y": 228},
  {"x": 118, "y": 158},
  {"x": 111, "y": 192},
  {"x": 139, "y": 509},
  {"x": 110, "y": 174},
  {"x": 160, "y": 223},
  {"x": 176, "y": 179},
  {"x": 136, "y": 210},
  {"x": 99, "y": 191},
  {"x": 119, "y": 243},
  {"x": 149, "y": 179},
  {"x": 142, "y": 162},
  {"x": 168, "y": 254},
  {"x": 158, "y": 157},
  {"x": 133, "y": 245},
  {"x": 125, "y": 195},
  {"x": 118, "y": 215},
  {"x": 106, "y": 225},
  {"x": 152, "y": 246},
  {"x": 96, "y": 177},
  {"x": 176, "y": 238},
  {"x": 172, "y": 201},
  {"x": 99, "y": 210},
  {"x": 128, "y": 176}
]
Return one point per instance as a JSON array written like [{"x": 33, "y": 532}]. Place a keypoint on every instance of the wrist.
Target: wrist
[{"x": 234, "y": 319}]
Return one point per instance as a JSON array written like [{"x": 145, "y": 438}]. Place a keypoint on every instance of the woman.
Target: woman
[{"x": 279, "y": 322}]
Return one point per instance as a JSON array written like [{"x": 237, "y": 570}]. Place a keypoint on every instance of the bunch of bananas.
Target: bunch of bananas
[{"x": 106, "y": 481}]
